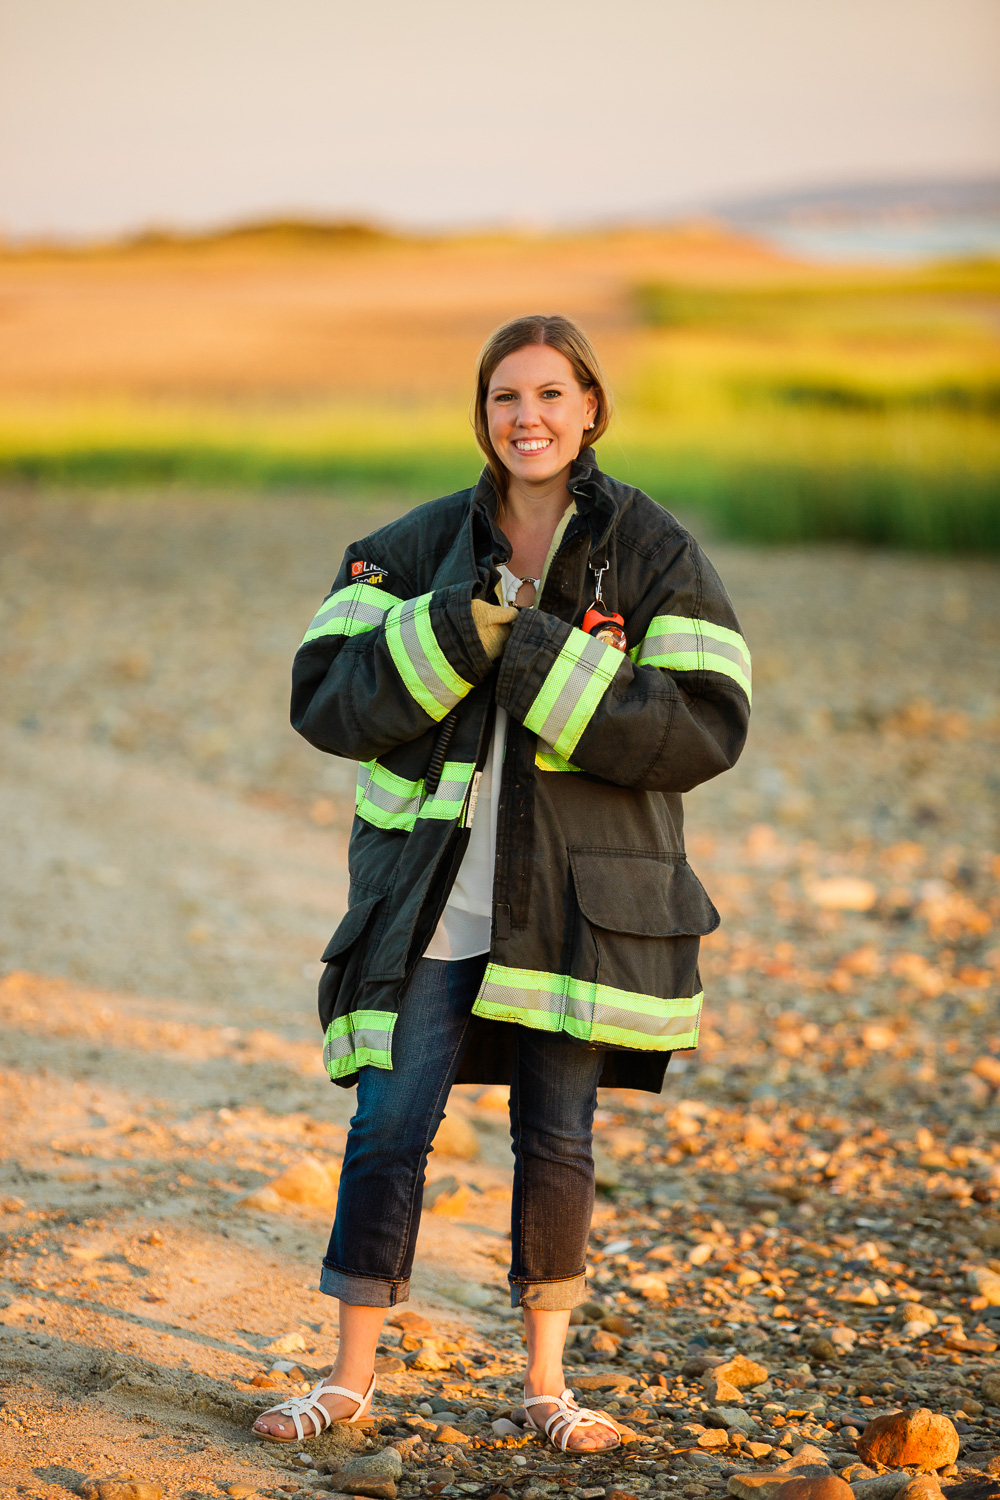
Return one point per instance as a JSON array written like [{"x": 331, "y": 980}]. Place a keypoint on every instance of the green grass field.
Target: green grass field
[{"x": 859, "y": 407}]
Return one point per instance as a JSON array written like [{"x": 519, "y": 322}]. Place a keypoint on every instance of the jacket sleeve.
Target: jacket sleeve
[
  {"x": 376, "y": 670},
  {"x": 671, "y": 714}
]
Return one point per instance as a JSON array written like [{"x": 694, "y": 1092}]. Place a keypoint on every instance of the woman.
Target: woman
[{"x": 520, "y": 907}]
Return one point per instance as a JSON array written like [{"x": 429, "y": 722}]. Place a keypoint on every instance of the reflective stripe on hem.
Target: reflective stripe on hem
[
  {"x": 687, "y": 645},
  {"x": 588, "y": 1011},
  {"x": 351, "y": 611},
  {"x": 574, "y": 685},
  {"x": 548, "y": 760},
  {"x": 358, "y": 1038},
  {"x": 390, "y": 801},
  {"x": 426, "y": 672}
]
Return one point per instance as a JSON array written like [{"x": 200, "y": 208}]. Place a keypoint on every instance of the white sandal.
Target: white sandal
[
  {"x": 568, "y": 1416},
  {"x": 311, "y": 1406}
]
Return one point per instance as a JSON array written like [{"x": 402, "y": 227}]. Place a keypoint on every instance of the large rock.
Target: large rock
[
  {"x": 410, "y": 1322},
  {"x": 307, "y": 1182},
  {"x": 429, "y": 1360},
  {"x": 985, "y": 1283},
  {"x": 740, "y": 1372},
  {"x": 446, "y": 1196},
  {"x": 614, "y": 1380},
  {"x": 878, "y": 1486},
  {"x": 712, "y": 1437},
  {"x": 369, "y": 1487},
  {"x": 990, "y": 1387},
  {"x": 607, "y": 1175},
  {"x": 456, "y": 1137},
  {"x": 720, "y": 1391},
  {"x": 120, "y": 1489},
  {"x": 815, "y": 1487},
  {"x": 388, "y": 1464},
  {"x": 919, "y": 1438},
  {"x": 842, "y": 893},
  {"x": 264, "y": 1199},
  {"x": 809, "y": 1463},
  {"x": 450, "y": 1435},
  {"x": 974, "y": 1489},
  {"x": 733, "y": 1417},
  {"x": 920, "y": 1487}
]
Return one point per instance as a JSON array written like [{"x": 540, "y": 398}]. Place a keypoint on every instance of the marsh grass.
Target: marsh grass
[{"x": 859, "y": 407}]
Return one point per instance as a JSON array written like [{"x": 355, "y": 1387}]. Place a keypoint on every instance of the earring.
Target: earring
[{"x": 589, "y": 426}]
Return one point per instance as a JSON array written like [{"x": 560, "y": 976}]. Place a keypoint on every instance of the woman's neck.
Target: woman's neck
[{"x": 529, "y": 517}]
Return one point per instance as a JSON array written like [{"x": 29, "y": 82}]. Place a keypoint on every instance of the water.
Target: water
[{"x": 886, "y": 241}]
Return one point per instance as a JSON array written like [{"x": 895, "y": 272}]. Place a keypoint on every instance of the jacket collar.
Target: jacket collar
[{"x": 594, "y": 497}]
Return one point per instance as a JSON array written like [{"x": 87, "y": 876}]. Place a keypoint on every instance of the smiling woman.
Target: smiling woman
[{"x": 521, "y": 909}]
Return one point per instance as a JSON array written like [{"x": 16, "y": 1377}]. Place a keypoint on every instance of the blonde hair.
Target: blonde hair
[{"x": 558, "y": 333}]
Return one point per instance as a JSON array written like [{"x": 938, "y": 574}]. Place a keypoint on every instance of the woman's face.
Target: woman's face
[{"x": 537, "y": 412}]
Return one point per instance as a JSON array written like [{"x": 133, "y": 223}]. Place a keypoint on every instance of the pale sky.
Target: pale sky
[{"x": 120, "y": 114}]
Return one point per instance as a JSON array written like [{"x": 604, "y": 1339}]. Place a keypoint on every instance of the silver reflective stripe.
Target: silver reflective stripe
[
  {"x": 419, "y": 660},
  {"x": 365, "y": 1038},
  {"x": 590, "y": 1011},
  {"x": 395, "y": 803},
  {"x": 450, "y": 791},
  {"x": 687, "y": 641},
  {"x": 573, "y": 1002},
  {"x": 587, "y": 679}
]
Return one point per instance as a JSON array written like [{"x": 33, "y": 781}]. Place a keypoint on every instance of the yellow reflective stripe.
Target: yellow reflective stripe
[
  {"x": 359, "y": 1038},
  {"x": 587, "y": 1010},
  {"x": 548, "y": 760},
  {"x": 426, "y": 672},
  {"x": 392, "y": 802},
  {"x": 573, "y": 687},
  {"x": 682, "y": 644},
  {"x": 351, "y": 611}
]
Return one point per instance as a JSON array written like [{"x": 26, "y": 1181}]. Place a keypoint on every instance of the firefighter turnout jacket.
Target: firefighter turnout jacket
[{"x": 596, "y": 913}]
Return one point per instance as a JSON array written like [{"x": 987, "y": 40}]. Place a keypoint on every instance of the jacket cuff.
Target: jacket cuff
[
  {"x": 455, "y": 629},
  {"x": 553, "y": 678}
]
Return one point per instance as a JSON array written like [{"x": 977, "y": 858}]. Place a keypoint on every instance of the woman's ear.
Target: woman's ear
[{"x": 591, "y": 409}]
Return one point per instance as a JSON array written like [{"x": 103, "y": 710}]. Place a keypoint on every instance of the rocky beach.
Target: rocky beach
[{"x": 795, "y": 1269}]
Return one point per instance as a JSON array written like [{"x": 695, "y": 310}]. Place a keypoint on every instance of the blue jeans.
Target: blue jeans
[{"x": 552, "y": 1099}]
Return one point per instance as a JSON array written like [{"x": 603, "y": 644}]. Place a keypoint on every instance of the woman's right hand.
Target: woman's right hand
[{"x": 493, "y": 622}]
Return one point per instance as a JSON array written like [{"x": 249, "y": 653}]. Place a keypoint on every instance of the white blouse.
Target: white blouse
[{"x": 465, "y": 925}]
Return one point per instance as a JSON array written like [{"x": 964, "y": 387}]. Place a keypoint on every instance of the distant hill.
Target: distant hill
[{"x": 932, "y": 197}]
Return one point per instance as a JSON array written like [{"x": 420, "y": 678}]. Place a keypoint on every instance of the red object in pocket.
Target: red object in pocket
[{"x": 605, "y": 627}]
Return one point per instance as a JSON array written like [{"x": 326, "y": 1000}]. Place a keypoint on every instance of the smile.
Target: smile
[{"x": 532, "y": 445}]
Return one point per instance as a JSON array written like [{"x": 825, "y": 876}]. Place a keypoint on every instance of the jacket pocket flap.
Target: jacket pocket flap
[
  {"x": 350, "y": 928},
  {"x": 637, "y": 894}
]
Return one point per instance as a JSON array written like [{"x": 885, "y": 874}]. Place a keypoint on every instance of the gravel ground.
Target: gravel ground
[{"x": 817, "y": 1188}]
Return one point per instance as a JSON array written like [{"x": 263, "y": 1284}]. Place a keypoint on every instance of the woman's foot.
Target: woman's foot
[
  {"x": 340, "y": 1400},
  {"x": 590, "y": 1437},
  {"x": 273, "y": 1425}
]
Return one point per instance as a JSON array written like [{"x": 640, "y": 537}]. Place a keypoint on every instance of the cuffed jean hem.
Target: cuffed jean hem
[
  {"x": 363, "y": 1291},
  {"x": 549, "y": 1296}
]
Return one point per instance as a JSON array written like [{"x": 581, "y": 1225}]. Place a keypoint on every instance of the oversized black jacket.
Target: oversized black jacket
[{"x": 597, "y": 915}]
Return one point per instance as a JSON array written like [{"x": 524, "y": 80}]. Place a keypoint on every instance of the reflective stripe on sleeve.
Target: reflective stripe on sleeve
[
  {"x": 390, "y": 801},
  {"x": 351, "y": 611},
  {"x": 589, "y": 1011},
  {"x": 574, "y": 685},
  {"x": 427, "y": 674},
  {"x": 686, "y": 645},
  {"x": 357, "y": 1039}
]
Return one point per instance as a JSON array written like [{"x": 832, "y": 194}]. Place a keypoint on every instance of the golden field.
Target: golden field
[{"x": 776, "y": 400}]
